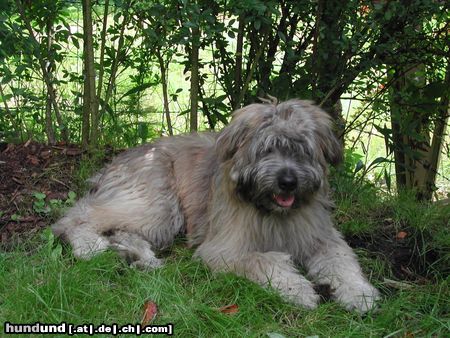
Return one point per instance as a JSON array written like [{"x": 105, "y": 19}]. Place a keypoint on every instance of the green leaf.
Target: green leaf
[
  {"x": 359, "y": 166},
  {"x": 257, "y": 24},
  {"x": 54, "y": 204},
  {"x": 387, "y": 179},
  {"x": 108, "y": 109},
  {"x": 75, "y": 42},
  {"x": 143, "y": 131},
  {"x": 15, "y": 217},
  {"x": 282, "y": 36},
  {"x": 6, "y": 97},
  {"x": 56, "y": 252},
  {"x": 49, "y": 237},
  {"x": 6, "y": 78},
  {"x": 435, "y": 90},
  {"x": 20, "y": 68},
  {"x": 39, "y": 195},
  {"x": 388, "y": 15},
  {"x": 379, "y": 160},
  {"x": 71, "y": 195},
  {"x": 189, "y": 24},
  {"x": 138, "y": 89}
]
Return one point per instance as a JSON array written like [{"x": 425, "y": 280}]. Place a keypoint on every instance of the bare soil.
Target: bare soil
[{"x": 28, "y": 168}]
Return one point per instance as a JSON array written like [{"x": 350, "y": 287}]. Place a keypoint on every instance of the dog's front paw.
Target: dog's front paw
[
  {"x": 148, "y": 264},
  {"x": 360, "y": 297},
  {"x": 301, "y": 292},
  {"x": 308, "y": 300}
]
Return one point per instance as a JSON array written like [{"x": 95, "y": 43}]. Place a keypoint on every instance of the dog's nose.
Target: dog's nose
[{"x": 287, "y": 182}]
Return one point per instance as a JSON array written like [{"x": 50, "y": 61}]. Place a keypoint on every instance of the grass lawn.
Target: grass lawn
[{"x": 38, "y": 283}]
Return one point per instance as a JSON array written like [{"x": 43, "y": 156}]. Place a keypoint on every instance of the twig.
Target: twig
[
  {"x": 397, "y": 284},
  {"x": 60, "y": 182}
]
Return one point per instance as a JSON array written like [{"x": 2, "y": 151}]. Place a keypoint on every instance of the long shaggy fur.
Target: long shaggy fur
[{"x": 252, "y": 199}]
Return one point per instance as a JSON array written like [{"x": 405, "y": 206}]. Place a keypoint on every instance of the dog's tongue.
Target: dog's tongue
[{"x": 284, "y": 201}]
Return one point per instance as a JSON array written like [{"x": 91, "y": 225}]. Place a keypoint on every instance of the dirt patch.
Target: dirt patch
[
  {"x": 410, "y": 253},
  {"x": 407, "y": 259},
  {"x": 29, "y": 168}
]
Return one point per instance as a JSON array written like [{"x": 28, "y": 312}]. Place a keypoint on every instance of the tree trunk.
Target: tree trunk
[
  {"x": 48, "y": 108},
  {"x": 102, "y": 54},
  {"x": 163, "y": 69},
  {"x": 116, "y": 60},
  {"x": 397, "y": 136},
  {"x": 195, "y": 47},
  {"x": 436, "y": 147},
  {"x": 250, "y": 72},
  {"x": 47, "y": 77},
  {"x": 437, "y": 140},
  {"x": 327, "y": 62},
  {"x": 416, "y": 153},
  {"x": 90, "y": 113},
  {"x": 266, "y": 64},
  {"x": 239, "y": 55},
  {"x": 48, "y": 122}
]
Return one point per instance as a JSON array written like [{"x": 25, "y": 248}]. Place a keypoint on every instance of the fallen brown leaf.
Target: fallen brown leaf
[
  {"x": 73, "y": 152},
  {"x": 9, "y": 148},
  {"x": 150, "y": 311},
  {"x": 45, "y": 154},
  {"x": 229, "y": 309},
  {"x": 33, "y": 159},
  {"x": 402, "y": 235}
]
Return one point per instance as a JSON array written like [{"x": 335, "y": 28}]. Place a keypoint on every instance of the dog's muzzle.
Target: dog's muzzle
[
  {"x": 287, "y": 183},
  {"x": 290, "y": 191}
]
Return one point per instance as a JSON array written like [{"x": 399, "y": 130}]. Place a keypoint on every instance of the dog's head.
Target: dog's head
[{"x": 277, "y": 155}]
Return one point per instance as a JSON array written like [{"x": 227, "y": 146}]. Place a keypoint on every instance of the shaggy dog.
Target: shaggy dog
[{"x": 253, "y": 199}]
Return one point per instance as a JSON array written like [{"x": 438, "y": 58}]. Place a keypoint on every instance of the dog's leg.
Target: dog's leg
[
  {"x": 132, "y": 209},
  {"x": 273, "y": 269},
  {"x": 133, "y": 232},
  {"x": 134, "y": 249},
  {"x": 91, "y": 230},
  {"x": 334, "y": 263},
  {"x": 76, "y": 228}
]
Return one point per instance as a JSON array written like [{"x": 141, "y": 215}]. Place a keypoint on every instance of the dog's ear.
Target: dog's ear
[
  {"x": 305, "y": 112},
  {"x": 244, "y": 124},
  {"x": 328, "y": 142},
  {"x": 230, "y": 139}
]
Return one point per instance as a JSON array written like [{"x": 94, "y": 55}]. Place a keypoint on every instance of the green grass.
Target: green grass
[{"x": 41, "y": 282}]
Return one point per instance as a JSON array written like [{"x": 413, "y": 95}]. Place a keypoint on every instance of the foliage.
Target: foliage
[
  {"x": 41, "y": 206},
  {"x": 320, "y": 50}
]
